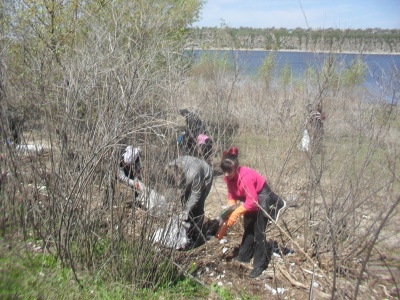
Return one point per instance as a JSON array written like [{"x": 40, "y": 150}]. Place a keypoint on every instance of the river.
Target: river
[{"x": 383, "y": 70}]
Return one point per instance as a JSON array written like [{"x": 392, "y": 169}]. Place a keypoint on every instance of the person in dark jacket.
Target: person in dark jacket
[
  {"x": 194, "y": 127},
  {"x": 193, "y": 176},
  {"x": 13, "y": 123},
  {"x": 194, "y": 124}
]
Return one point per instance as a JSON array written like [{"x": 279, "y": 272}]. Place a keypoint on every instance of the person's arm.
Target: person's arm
[
  {"x": 232, "y": 204},
  {"x": 122, "y": 177},
  {"x": 235, "y": 214},
  {"x": 195, "y": 194},
  {"x": 231, "y": 198}
]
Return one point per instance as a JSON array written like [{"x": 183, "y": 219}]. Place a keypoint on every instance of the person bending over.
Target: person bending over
[
  {"x": 193, "y": 176},
  {"x": 257, "y": 204}
]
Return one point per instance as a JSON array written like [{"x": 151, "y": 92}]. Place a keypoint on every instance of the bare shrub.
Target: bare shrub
[
  {"x": 108, "y": 87},
  {"x": 342, "y": 194}
]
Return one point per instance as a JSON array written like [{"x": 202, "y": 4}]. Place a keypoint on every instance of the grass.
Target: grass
[{"x": 28, "y": 274}]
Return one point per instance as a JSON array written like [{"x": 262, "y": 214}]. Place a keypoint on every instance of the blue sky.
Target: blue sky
[{"x": 341, "y": 14}]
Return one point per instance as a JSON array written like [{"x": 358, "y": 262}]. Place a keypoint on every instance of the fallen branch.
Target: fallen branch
[
  {"x": 318, "y": 294},
  {"x": 312, "y": 273}
]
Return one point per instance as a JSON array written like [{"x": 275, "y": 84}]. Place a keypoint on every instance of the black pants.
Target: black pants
[
  {"x": 196, "y": 214},
  {"x": 269, "y": 201},
  {"x": 254, "y": 243}
]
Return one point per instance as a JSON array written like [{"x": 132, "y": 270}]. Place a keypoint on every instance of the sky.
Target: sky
[{"x": 290, "y": 14}]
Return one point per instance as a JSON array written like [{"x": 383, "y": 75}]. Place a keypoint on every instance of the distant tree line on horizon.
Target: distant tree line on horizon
[
  {"x": 374, "y": 39},
  {"x": 358, "y": 31}
]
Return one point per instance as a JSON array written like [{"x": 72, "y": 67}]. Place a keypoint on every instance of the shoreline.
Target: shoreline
[{"x": 293, "y": 50}]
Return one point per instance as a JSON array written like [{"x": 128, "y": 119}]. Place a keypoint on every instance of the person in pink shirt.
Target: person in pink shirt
[{"x": 257, "y": 203}]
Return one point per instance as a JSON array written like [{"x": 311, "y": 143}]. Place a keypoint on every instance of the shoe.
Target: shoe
[
  {"x": 256, "y": 272},
  {"x": 237, "y": 258}
]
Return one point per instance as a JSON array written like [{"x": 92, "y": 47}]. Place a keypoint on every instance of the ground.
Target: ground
[
  {"x": 291, "y": 271},
  {"x": 289, "y": 274}
]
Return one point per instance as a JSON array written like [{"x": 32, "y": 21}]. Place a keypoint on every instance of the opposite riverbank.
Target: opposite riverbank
[{"x": 291, "y": 50}]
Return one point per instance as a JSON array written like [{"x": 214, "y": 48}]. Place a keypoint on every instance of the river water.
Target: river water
[{"x": 382, "y": 69}]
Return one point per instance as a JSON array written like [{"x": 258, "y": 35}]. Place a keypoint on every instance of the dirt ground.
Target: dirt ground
[{"x": 291, "y": 274}]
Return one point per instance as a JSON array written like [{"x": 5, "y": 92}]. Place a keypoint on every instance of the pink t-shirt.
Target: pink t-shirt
[
  {"x": 245, "y": 187},
  {"x": 201, "y": 139}
]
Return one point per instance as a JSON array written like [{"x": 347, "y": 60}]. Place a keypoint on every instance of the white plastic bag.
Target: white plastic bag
[
  {"x": 152, "y": 201},
  {"x": 29, "y": 148},
  {"x": 305, "y": 141},
  {"x": 173, "y": 235}
]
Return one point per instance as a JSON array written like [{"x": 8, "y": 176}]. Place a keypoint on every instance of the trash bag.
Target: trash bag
[
  {"x": 173, "y": 235},
  {"x": 155, "y": 203},
  {"x": 305, "y": 141},
  {"x": 30, "y": 149}
]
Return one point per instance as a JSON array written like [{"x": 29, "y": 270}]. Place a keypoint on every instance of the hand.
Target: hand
[
  {"x": 227, "y": 212},
  {"x": 137, "y": 186},
  {"x": 235, "y": 214},
  {"x": 186, "y": 224},
  {"x": 231, "y": 202},
  {"x": 184, "y": 216},
  {"x": 231, "y": 222}
]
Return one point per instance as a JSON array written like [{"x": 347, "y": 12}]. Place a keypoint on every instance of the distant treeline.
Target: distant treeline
[{"x": 336, "y": 40}]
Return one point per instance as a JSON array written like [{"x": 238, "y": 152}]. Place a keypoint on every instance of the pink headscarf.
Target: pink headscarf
[{"x": 201, "y": 139}]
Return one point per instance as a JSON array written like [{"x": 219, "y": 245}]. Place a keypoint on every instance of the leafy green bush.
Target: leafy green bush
[
  {"x": 212, "y": 64},
  {"x": 355, "y": 74},
  {"x": 266, "y": 70}
]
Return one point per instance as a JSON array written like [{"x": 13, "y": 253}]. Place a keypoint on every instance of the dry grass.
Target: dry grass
[{"x": 344, "y": 195}]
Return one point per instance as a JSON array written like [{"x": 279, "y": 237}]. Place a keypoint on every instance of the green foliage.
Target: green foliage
[
  {"x": 310, "y": 74},
  {"x": 26, "y": 274},
  {"x": 329, "y": 75},
  {"x": 266, "y": 70},
  {"x": 183, "y": 289},
  {"x": 222, "y": 292},
  {"x": 211, "y": 65},
  {"x": 355, "y": 74},
  {"x": 140, "y": 263},
  {"x": 332, "y": 77},
  {"x": 52, "y": 33},
  {"x": 285, "y": 75}
]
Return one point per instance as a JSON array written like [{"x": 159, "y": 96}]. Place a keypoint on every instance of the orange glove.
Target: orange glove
[
  {"x": 236, "y": 213},
  {"x": 231, "y": 202}
]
